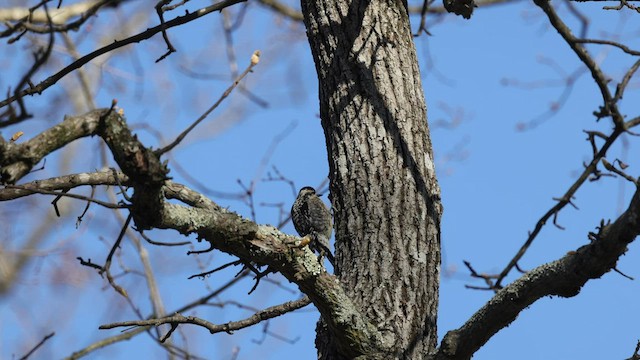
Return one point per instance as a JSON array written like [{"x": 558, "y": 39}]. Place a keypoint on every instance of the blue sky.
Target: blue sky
[{"x": 495, "y": 188}]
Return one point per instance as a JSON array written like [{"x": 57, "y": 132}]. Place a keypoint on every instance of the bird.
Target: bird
[{"x": 312, "y": 218}]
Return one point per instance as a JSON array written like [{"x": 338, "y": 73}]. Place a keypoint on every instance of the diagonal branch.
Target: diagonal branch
[
  {"x": 37, "y": 89},
  {"x": 562, "y": 202},
  {"x": 564, "y": 277},
  {"x": 46, "y": 337},
  {"x": 609, "y": 108},
  {"x": 254, "y": 61},
  {"x": 599, "y": 77}
]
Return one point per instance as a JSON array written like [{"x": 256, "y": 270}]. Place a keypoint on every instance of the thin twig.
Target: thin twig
[
  {"x": 47, "y": 337},
  {"x": 32, "y": 190},
  {"x": 207, "y": 273},
  {"x": 107, "y": 264},
  {"x": 180, "y": 137}
]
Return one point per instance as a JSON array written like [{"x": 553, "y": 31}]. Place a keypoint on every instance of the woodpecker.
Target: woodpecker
[{"x": 312, "y": 218}]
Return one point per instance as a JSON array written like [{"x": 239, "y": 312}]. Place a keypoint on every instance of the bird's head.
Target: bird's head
[{"x": 306, "y": 191}]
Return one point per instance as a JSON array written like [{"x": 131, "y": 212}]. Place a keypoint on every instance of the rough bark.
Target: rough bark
[{"x": 384, "y": 192}]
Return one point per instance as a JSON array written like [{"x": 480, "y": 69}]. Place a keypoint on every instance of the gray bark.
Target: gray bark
[{"x": 384, "y": 190}]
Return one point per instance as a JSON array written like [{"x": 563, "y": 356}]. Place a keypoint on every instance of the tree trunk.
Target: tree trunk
[{"x": 384, "y": 191}]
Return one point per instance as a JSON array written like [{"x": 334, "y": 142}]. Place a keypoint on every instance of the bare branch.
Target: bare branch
[
  {"x": 599, "y": 77},
  {"x": 229, "y": 327},
  {"x": 17, "y": 160},
  {"x": 564, "y": 277},
  {"x": 47, "y": 337},
  {"x": 622, "y": 86},
  {"x": 103, "y": 177},
  {"x": 254, "y": 61},
  {"x": 37, "y": 89},
  {"x": 84, "y": 11},
  {"x": 130, "y": 334},
  {"x": 609, "y": 42},
  {"x": 591, "y": 168},
  {"x": 40, "y": 58},
  {"x": 613, "y": 169},
  {"x": 64, "y": 194},
  {"x": 609, "y": 108},
  {"x": 107, "y": 264}
]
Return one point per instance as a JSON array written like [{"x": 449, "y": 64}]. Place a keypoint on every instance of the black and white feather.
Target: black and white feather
[{"x": 311, "y": 217}]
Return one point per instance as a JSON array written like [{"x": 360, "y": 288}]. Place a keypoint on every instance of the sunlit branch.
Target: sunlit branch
[{"x": 103, "y": 177}]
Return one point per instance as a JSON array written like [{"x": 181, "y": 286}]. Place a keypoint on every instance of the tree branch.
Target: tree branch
[
  {"x": 266, "y": 314},
  {"x": 26, "y": 17},
  {"x": 255, "y": 58},
  {"x": 37, "y": 89},
  {"x": 224, "y": 230},
  {"x": 46, "y": 337},
  {"x": 63, "y": 194},
  {"x": 564, "y": 277},
  {"x": 104, "y": 177},
  {"x": 265, "y": 245},
  {"x": 608, "y": 109},
  {"x": 16, "y": 160},
  {"x": 598, "y": 76}
]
